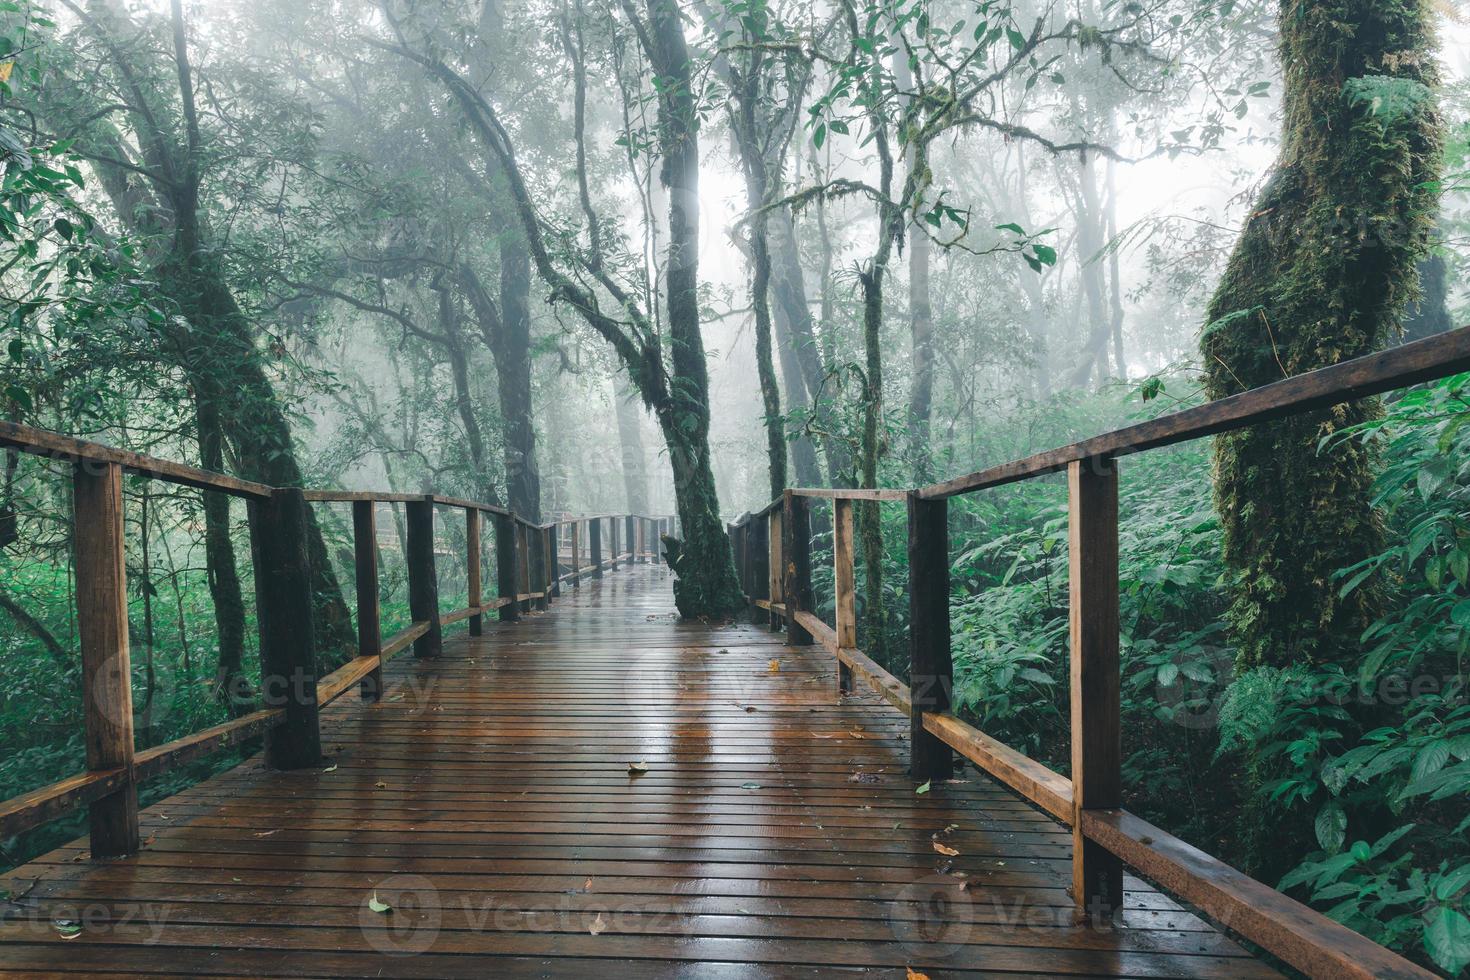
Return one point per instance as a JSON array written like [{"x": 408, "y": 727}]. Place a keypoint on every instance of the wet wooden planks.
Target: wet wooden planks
[{"x": 488, "y": 799}]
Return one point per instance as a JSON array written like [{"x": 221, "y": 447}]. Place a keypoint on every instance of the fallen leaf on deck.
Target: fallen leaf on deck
[
  {"x": 380, "y": 785},
  {"x": 862, "y": 777},
  {"x": 587, "y": 885},
  {"x": 857, "y": 734},
  {"x": 944, "y": 849},
  {"x": 267, "y": 833},
  {"x": 749, "y": 708},
  {"x": 637, "y": 768},
  {"x": 378, "y": 906},
  {"x": 67, "y": 928},
  {"x": 915, "y": 974},
  {"x": 331, "y": 768},
  {"x": 750, "y": 785},
  {"x": 598, "y": 925},
  {"x": 775, "y": 666},
  {"x": 922, "y": 789}
]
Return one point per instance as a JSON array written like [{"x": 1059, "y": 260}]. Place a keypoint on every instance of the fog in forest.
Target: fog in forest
[{"x": 674, "y": 258}]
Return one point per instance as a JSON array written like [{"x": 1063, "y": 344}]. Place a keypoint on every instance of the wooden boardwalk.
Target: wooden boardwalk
[{"x": 488, "y": 799}]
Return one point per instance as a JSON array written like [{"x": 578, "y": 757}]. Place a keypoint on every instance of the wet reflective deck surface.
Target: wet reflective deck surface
[{"x": 598, "y": 791}]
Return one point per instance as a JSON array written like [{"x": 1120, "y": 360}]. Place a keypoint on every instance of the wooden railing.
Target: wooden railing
[
  {"x": 773, "y": 555},
  {"x": 528, "y": 569}
]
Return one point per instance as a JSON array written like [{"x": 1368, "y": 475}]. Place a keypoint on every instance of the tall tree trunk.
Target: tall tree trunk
[
  {"x": 1093, "y": 360},
  {"x": 706, "y": 584},
  {"x": 458, "y": 354},
  {"x": 513, "y": 372},
  {"x": 749, "y": 126},
  {"x": 230, "y": 684},
  {"x": 1115, "y": 277},
  {"x": 630, "y": 439},
  {"x": 788, "y": 292},
  {"x": 1322, "y": 272},
  {"x": 921, "y": 312},
  {"x": 870, "y": 530}
]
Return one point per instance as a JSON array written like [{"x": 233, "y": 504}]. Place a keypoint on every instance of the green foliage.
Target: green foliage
[{"x": 1366, "y": 764}]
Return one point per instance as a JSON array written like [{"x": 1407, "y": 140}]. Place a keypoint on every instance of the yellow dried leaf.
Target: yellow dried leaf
[
  {"x": 775, "y": 666},
  {"x": 5, "y": 69},
  {"x": 944, "y": 849},
  {"x": 598, "y": 925},
  {"x": 916, "y": 975}
]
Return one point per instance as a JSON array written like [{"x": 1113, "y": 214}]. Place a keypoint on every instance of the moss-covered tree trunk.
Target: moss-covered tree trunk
[
  {"x": 1321, "y": 273},
  {"x": 707, "y": 583}
]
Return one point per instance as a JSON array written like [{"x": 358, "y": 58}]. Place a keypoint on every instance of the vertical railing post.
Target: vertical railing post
[
  {"x": 531, "y": 537},
  {"x": 284, "y": 618},
  {"x": 844, "y": 586},
  {"x": 737, "y": 547},
  {"x": 553, "y": 548},
  {"x": 594, "y": 545},
  {"x": 523, "y": 566},
  {"x": 102, "y": 620},
  {"x": 1092, "y": 485},
  {"x": 760, "y": 573},
  {"x": 629, "y": 538},
  {"x": 612, "y": 530},
  {"x": 369, "y": 615},
  {"x": 796, "y": 571},
  {"x": 546, "y": 567},
  {"x": 505, "y": 567},
  {"x": 773, "y": 563},
  {"x": 577, "y": 553},
  {"x": 423, "y": 580},
  {"x": 931, "y": 669},
  {"x": 472, "y": 567}
]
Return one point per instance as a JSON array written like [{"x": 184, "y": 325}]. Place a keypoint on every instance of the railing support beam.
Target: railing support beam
[
  {"x": 505, "y": 567},
  {"x": 1092, "y": 486},
  {"x": 472, "y": 567},
  {"x": 773, "y": 564},
  {"x": 369, "y": 615},
  {"x": 594, "y": 544},
  {"x": 423, "y": 581},
  {"x": 102, "y": 620},
  {"x": 931, "y": 669},
  {"x": 844, "y": 587}
]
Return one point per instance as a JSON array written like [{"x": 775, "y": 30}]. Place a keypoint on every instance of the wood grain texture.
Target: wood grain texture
[
  {"x": 102, "y": 627},
  {"x": 1097, "y": 738},
  {"x": 507, "y": 537},
  {"x": 369, "y": 612},
  {"x": 472, "y": 568},
  {"x": 931, "y": 668},
  {"x": 423, "y": 580},
  {"x": 53, "y": 445},
  {"x": 488, "y": 799},
  {"x": 844, "y": 585}
]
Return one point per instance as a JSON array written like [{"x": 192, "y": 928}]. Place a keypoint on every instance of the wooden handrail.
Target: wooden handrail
[
  {"x": 1429, "y": 359},
  {"x": 40, "y": 442}
]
